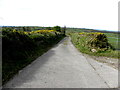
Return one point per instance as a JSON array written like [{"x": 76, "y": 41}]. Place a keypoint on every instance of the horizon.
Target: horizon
[{"x": 63, "y": 26}]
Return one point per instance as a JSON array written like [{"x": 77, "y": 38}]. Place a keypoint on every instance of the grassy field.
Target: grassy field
[{"x": 113, "y": 39}]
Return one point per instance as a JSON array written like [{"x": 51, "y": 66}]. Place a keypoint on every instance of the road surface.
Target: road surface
[{"x": 64, "y": 67}]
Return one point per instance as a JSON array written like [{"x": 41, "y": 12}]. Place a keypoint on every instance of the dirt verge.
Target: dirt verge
[{"x": 106, "y": 60}]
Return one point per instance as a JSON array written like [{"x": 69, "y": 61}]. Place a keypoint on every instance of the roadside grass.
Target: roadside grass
[{"x": 80, "y": 44}]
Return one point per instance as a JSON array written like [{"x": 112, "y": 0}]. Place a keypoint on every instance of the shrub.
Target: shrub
[
  {"x": 86, "y": 43},
  {"x": 98, "y": 41},
  {"x": 57, "y": 28},
  {"x": 95, "y": 41},
  {"x": 20, "y": 48}
]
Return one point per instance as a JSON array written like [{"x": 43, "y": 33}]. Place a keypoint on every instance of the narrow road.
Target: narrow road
[{"x": 64, "y": 67}]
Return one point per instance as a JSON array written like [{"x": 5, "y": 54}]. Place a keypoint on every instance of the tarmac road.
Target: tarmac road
[{"x": 65, "y": 67}]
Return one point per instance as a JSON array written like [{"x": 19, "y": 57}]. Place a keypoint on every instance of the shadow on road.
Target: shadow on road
[{"x": 27, "y": 74}]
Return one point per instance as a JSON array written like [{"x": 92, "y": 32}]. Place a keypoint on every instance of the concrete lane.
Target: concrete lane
[{"x": 64, "y": 67}]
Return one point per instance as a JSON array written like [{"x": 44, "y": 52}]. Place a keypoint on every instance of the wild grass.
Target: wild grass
[{"x": 82, "y": 46}]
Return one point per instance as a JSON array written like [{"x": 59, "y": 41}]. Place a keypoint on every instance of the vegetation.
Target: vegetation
[
  {"x": 94, "y": 44},
  {"x": 21, "y": 47},
  {"x": 113, "y": 37},
  {"x": 57, "y": 28}
]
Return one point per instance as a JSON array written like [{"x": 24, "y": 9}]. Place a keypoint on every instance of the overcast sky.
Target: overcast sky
[{"x": 94, "y": 14}]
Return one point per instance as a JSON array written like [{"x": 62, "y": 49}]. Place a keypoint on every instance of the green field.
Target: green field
[{"x": 113, "y": 39}]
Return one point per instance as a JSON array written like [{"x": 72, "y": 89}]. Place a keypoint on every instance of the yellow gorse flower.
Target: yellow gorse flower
[
  {"x": 42, "y": 31},
  {"x": 92, "y": 33},
  {"x": 38, "y": 31}
]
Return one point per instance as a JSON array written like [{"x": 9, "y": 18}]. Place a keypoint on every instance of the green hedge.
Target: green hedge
[{"x": 19, "y": 49}]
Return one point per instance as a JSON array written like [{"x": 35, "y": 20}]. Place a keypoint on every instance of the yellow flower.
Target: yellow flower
[{"x": 14, "y": 30}]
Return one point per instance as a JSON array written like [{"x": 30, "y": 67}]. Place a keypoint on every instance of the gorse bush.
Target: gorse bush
[
  {"x": 21, "y": 47},
  {"x": 93, "y": 44},
  {"x": 96, "y": 41},
  {"x": 16, "y": 42}
]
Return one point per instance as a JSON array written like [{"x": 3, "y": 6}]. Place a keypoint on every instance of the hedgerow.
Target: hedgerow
[{"x": 20, "y": 48}]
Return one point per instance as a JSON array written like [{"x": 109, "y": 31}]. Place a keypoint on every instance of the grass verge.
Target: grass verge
[{"x": 80, "y": 43}]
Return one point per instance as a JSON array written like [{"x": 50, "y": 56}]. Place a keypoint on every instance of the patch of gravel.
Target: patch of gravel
[{"x": 106, "y": 60}]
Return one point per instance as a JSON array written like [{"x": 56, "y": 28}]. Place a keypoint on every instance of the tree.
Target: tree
[
  {"x": 57, "y": 28},
  {"x": 64, "y": 30},
  {"x": 48, "y": 28},
  {"x": 26, "y": 28}
]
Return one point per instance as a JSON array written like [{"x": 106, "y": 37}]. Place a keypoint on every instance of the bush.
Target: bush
[
  {"x": 57, "y": 28},
  {"x": 94, "y": 42},
  {"x": 19, "y": 49},
  {"x": 98, "y": 41}
]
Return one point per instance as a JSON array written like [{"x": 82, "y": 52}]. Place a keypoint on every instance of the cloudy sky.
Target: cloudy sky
[{"x": 94, "y": 14}]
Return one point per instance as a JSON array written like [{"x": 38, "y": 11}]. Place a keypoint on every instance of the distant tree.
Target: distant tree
[
  {"x": 24, "y": 29},
  {"x": 48, "y": 28},
  {"x": 57, "y": 28},
  {"x": 28, "y": 29},
  {"x": 64, "y": 30},
  {"x": 7, "y": 29}
]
